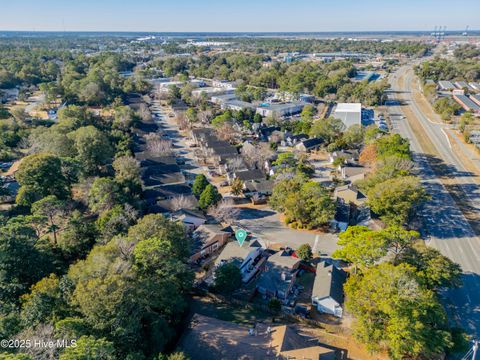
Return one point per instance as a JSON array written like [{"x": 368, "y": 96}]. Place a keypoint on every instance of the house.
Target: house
[
  {"x": 156, "y": 175},
  {"x": 216, "y": 151},
  {"x": 281, "y": 110},
  {"x": 264, "y": 132},
  {"x": 248, "y": 175},
  {"x": 212, "y": 339},
  {"x": 248, "y": 258},
  {"x": 166, "y": 192},
  {"x": 208, "y": 238},
  {"x": 349, "y": 194},
  {"x": 349, "y": 113},
  {"x": 341, "y": 220},
  {"x": 260, "y": 187},
  {"x": 292, "y": 140},
  {"x": 192, "y": 219},
  {"x": 349, "y": 156},
  {"x": 327, "y": 292},
  {"x": 309, "y": 145},
  {"x": 198, "y": 135},
  {"x": 279, "y": 275},
  {"x": 352, "y": 173}
]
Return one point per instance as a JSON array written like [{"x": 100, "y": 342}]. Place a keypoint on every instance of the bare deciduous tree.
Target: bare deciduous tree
[
  {"x": 276, "y": 137},
  {"x": 160, "y": 94},
  {"x": 182, "y": 121},
  {"x": 236, "y": 164},
  {"x": 225, "y": 211},
  {"x": 144, "y": 112},
  {"x": 183, "y": 202},
  {"x": 157, "y": 145},
  {"x": 256, "y": 155},
  {"x": 205, "y": 116},
  {"x": 228, "y": 133}
]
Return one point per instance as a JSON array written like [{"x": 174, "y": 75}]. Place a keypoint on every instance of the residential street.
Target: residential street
[
  {"x": 266, "y": 225},
  {"x": 445, "y": 226}
]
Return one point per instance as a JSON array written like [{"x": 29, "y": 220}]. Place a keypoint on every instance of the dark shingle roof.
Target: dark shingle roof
[
  {"x": 248, "y": 175},
  {"x": 329, "y": 282},
  {"x": 310, "y": 143}
]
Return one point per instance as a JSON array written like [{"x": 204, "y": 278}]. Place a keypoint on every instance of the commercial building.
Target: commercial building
[
  {"x": 462, "y": 85},
  {"x": 466, "y": 103},
  {"x": 210, "y": 91},
  {"x": 281, "y": 110},
  {"x": 349, "y": 113},
  {"x": 237, "y": 105},
  {"x": 445, "y": 85},
  {"x": 476, "y": 99},
  {"x": 475, "y": 86},
  {"x": 221, "y": 99}
]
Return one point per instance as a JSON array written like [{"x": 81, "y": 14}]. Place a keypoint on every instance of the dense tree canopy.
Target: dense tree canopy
[{"x": 393, "y": 310}]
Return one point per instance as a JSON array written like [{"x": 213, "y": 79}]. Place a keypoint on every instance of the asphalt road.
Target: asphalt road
[
  {"x": 445, "y": 227},
  {"x": 266, "y": 226}
]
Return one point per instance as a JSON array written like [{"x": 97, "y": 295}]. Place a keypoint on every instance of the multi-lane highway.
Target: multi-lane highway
[{"x": 445, "y": 226}]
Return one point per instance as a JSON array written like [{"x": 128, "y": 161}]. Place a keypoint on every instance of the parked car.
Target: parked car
[{"x": 224, "y": 183}]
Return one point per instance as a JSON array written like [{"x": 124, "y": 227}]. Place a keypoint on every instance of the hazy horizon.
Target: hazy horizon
[{"x": 303, "y": 16}]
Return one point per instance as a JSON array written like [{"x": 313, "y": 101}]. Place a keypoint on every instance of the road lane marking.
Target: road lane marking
[{"x": 448, "y": 140}]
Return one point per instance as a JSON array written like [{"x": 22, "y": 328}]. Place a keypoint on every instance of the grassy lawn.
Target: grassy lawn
[{"x": 227, "y": 312}]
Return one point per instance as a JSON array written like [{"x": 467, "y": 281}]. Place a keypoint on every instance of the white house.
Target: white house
[
  {"x": 248, "y": 258},
  {"x": 327, "y": 292},
  {"x": 349, "y": 113}
]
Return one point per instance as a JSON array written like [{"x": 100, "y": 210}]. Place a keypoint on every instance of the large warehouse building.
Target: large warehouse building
[{"x": 349, "y": 113}]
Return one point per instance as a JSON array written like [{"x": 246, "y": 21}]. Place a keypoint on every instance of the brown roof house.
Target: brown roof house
[
  {"x": 350, "y": 194},
  {"x": 352, "y": 173},
  {"x": 207, "y": 238}
]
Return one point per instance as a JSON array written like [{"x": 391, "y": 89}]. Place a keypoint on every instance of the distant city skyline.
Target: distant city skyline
[{"x": 238, "y": 16}]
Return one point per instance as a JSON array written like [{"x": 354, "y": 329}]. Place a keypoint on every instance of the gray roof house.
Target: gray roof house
[
  {"x": 249, "y": 175},
  {"x": 279, "y": 275},
  {"x": 352, "y": 173},
  {"x": 327, "y": 292},
  {"x": 309, "y": 144},
  {"x": 247, "y": 257}
]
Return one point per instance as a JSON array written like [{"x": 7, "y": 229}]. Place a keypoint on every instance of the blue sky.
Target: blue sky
[{"x": 245, "y": 15}]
